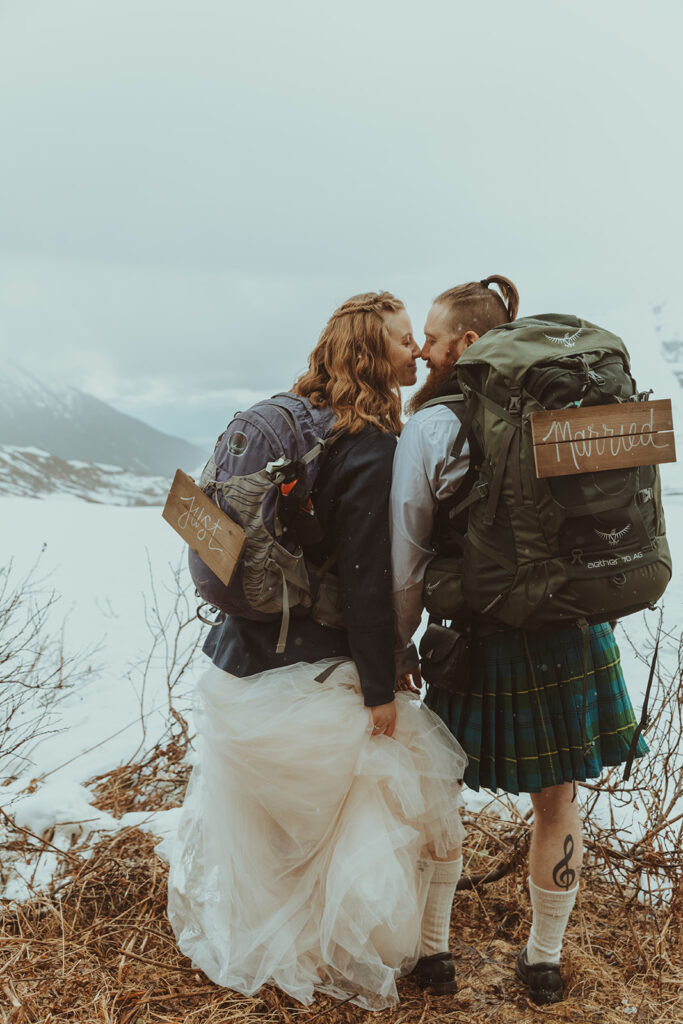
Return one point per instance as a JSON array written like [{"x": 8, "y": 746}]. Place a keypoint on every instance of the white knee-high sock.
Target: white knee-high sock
[
  {"x": 550, "y": 915},
  {"x": 437, "y": 915}
]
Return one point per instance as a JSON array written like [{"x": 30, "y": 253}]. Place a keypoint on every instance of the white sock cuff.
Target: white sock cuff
[
  {"x": 447, "y": 872},
  {"x": 552, "y": 895}
]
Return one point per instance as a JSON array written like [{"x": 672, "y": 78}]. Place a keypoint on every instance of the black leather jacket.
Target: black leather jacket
[{"x": 351, "y": 498}]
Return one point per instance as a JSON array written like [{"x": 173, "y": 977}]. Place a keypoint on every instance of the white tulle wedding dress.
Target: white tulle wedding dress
[{"x": 299, "y": 857}]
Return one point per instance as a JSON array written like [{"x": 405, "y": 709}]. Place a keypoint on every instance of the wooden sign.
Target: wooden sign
[
  {"x": 592, "y": 438},
  {"x": 204, "y": 526}
]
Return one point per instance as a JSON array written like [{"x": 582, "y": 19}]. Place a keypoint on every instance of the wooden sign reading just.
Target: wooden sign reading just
[
  {"x": 596, "y": 437},
  {"x": 204, "y": 526}
]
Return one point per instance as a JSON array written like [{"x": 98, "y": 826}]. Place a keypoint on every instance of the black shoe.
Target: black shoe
[
  {"x": 436, "y": 973},
  {"x": 544, "y": 981}
]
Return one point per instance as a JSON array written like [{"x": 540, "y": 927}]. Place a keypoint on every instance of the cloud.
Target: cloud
[{"x": 191, "y": 188}]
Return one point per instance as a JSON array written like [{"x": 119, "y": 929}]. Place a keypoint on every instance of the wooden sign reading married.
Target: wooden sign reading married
[
  {"x": 204, "y": 526},
  {"x": 596, "y": 437}
]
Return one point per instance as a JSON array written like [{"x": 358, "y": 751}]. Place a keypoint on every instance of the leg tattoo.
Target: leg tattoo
[{"x": 563, "y": 875}]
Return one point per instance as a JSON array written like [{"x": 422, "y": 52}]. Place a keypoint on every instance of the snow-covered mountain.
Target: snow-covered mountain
[
  {"x": 32, "y": 473},
  {"x": 74, "y": 426}
]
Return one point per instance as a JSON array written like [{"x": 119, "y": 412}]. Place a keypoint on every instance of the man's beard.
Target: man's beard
[{"x": 437, "y": 377}]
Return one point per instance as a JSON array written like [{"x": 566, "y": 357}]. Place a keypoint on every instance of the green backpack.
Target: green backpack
[{"x": 590, "y": 547}]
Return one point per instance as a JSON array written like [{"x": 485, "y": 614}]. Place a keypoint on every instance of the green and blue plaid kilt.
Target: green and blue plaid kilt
[{"x": 519, "y": 715}]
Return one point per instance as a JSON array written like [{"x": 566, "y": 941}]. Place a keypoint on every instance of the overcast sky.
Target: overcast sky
[{"x": 190, "y": 187}]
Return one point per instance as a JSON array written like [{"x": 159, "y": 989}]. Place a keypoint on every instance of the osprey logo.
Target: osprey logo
[
  {"x": 614, "y": 536},
  {"x": 238, "y": 443},
  {"x": 431, "y": 587},
  {"x": 566, "y": 341}
]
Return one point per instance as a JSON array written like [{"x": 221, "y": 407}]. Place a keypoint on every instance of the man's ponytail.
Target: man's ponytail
[
  {"x": 478, "y": 307},
  {"x": 508, "y": 291}
]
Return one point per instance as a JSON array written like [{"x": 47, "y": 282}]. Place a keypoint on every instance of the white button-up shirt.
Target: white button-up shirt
[{"x": 424, "y": 475}]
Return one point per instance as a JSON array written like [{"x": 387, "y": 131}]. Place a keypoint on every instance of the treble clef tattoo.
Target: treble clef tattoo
[{"x": 564, "y": 876}]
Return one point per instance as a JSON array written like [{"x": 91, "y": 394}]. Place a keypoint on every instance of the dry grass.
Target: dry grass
[{"x": 100, "y": 948}]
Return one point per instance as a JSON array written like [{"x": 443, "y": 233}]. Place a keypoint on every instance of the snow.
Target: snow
[
  {"x": 32, "y": 472},
  {"x": 14, "y": 449},
  {"x": 17, "y": 382},
  {"x": 98, "y": 559},
  {"x": 162, "y": 824},
  {"x": 65, "y": 813}
]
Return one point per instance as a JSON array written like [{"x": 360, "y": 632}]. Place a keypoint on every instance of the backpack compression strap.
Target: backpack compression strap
[
  {"x": 322, "y": 445},
  {"x": 509, "y": 450}
]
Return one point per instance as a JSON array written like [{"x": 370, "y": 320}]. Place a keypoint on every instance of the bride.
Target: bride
[{"x": 319, "y": 843}]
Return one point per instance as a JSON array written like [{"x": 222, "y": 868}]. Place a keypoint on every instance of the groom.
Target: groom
[{"x": 504, "y": 734}]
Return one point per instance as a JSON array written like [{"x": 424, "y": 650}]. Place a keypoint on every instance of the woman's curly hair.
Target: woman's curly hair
[{"x": 349, "y": 369}]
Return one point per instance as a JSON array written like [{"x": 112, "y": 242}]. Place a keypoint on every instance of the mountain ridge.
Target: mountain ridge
[
  {"x": 75, "y": 426},
  {"x": 28, "y": 472}
]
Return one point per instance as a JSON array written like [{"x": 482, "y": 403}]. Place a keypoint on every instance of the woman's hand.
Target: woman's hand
[
  {"x": 383, "y": 718},
  {"x": 410, "y": 681}
]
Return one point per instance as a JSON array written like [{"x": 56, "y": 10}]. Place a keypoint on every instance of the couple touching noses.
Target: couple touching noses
[
  {"x": 440, "y": 349},
  {"x": 444, "y": 339},
  {"x": 320, "y": 841}
]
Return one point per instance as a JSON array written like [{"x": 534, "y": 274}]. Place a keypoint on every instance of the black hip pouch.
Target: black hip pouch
[{"x": 445, "y": 657}]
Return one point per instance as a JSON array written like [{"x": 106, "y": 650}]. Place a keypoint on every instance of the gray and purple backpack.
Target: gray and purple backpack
[{"x": 261, "y": 473}]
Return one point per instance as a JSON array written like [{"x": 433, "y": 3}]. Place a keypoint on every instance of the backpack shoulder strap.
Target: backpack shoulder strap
[
  {"x": 286, "y": 415},
  {"x": 451, "y": 402},
  {"x": 322, "y": 443},
  {"x": 464, "y": 432},
  {"x": 442, "y": 400}
]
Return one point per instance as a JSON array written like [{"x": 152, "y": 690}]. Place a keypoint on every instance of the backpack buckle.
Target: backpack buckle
[
  {"x": 204, "y": 616},
  {"x": 281, "y": 470},
  {"x": 515, "y": 401}
]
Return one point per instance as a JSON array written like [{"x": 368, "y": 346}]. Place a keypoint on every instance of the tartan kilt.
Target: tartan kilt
[{"x": 519, "y": 716}]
